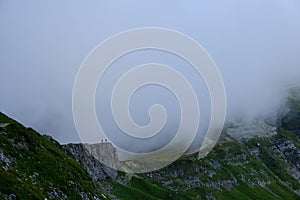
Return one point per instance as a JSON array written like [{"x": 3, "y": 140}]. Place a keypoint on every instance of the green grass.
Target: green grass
[{"x": 42, "y": 155}]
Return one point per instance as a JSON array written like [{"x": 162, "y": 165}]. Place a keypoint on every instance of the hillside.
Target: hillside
[
  {"x": 257, "y": 168},
  {"x": 291, "y": 121},
  {"x": 37, "y": 167}
]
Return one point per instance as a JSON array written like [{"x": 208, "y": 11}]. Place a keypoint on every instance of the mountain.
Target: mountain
[
  {"x": 256, "y": 168},
  {"x": 291, "y": 121},
  {"x": 251, "y": 161},
  {"x": 33, "y": 166}
]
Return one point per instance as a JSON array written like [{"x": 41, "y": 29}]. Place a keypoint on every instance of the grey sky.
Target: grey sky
[{"x": 255, "y": 44}]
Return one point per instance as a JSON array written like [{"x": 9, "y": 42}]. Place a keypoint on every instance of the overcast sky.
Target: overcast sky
[{"x": 254, "y": 43}]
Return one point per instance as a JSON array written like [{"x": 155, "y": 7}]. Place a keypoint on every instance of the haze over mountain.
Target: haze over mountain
[
  {"x": 262, "y": 162},
  {"x": 255, "y": 44}
]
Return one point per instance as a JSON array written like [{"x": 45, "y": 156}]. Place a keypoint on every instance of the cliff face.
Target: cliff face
[{"x": 93, "y": 166}]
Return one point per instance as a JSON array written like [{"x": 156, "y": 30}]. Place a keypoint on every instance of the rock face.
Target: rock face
[
  {"x": 96, "y": 169},
  {"x": 105, "y": 153},
  {"x": 101, "y": 160}
]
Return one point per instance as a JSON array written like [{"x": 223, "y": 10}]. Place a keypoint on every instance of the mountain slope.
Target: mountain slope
[
  {"x": 291, "y": 121},
  {"x": 37, "y": 167},
  {"x": 233, "y": 170}
]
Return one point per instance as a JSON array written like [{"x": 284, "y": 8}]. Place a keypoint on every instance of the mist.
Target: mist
[{"x": 255, "y": 45}]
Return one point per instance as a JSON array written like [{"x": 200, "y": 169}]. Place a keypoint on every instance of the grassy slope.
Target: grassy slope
[
  {"x": 56, "y": 171},
  {"x": 264, "y": 169}
]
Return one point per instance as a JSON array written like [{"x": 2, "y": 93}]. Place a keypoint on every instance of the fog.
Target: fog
[{"x": 255, "y": 45}]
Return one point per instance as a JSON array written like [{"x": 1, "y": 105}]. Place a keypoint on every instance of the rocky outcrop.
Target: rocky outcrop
[
  {"x": 95, "y": 168},
  {"x": 6, "y": 160},
  {"x": 240, "y": 130}
]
